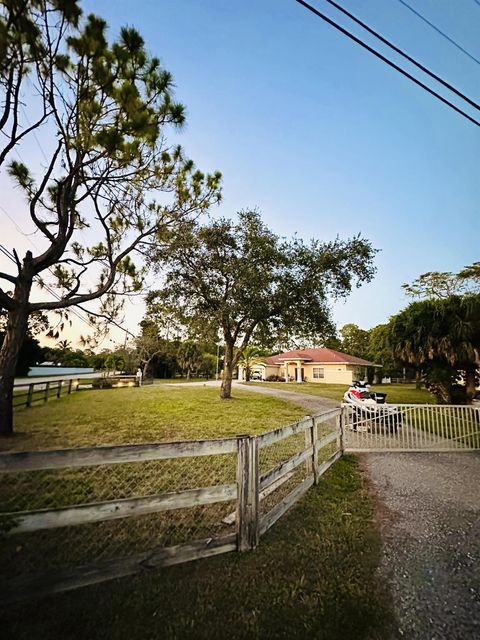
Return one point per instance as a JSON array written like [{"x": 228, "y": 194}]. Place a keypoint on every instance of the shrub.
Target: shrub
[{"x": 102, "y": 383}]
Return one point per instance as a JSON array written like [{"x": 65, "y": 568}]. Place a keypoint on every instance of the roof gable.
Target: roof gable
[{"x": 320, "y": 356}]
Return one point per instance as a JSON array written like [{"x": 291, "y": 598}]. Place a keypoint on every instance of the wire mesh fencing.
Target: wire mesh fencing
[
  {"x": 61, "y": 509},
  {"x": 292, "y": 459},
  {"x": 73, "y": 517}
]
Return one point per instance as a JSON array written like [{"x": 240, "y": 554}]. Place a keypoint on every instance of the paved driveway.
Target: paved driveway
[{"x": 429, "y": 509}]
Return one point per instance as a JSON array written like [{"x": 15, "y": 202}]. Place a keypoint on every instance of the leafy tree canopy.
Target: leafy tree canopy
[
  {"x": 355, "y": 341},
  {"x": 431, "y": 332},
  {"x": 239, "y": 278},
  {"x": 443, "y": 284}
]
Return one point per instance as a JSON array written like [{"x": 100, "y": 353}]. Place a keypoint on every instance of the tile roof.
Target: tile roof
[{"x": 320, "y": 356}]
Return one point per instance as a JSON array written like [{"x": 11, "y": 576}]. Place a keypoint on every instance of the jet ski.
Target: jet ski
[{"x": 369, "y": 409}]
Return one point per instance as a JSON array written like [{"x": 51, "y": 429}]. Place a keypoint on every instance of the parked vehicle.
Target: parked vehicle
[
  {"x": 369, "y": 409},
  {"x": 256, "y": 375}
]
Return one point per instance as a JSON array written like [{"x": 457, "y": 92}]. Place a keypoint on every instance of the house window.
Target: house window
[{"x": 318, "y": 373}]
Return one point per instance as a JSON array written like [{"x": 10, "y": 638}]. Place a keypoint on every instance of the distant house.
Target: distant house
[{"x": 312, "y": 365}]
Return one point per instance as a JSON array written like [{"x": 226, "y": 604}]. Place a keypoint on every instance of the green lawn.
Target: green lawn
[
  {"x": 313, "y": 575},
  {"x": 146, "y": 414},
  {"x": 177, "y": 380},
  {"x": 396, "y": 393}
]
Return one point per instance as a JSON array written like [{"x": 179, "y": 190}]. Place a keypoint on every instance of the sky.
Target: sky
[{"x": 319, "y": 135}]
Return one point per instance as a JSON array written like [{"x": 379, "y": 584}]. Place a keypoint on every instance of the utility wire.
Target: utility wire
[
  {"x": 331, "y": 22},
  {"x": 430, "y": 24},
  {"x": 404, "y": 55},
  {"x": 53, "y": 293},
  {"x": 10, "y": 255}
]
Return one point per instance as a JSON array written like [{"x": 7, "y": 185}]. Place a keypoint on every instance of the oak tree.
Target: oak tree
[{"x": 238, "y": 277}]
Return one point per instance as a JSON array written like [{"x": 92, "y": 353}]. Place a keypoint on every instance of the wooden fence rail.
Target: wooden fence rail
[
  {"x": 43, "y": 391},
  {"x": 28, "y": 393},
  {"x": 249, "y": 491},
  {"x": 248, "y": 482}
]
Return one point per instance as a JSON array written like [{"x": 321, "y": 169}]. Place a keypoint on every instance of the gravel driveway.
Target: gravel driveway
[
  {"x": 429, "y": 509},
  {"x": 311, "y": 404}
]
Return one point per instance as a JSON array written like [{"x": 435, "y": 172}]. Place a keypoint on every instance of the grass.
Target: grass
[
  {"x": 396, "y": 393},
  {"x": 178, "y": 380},
  {"x": 146, "y": 414},
  {"x": 313, "y": 575}
]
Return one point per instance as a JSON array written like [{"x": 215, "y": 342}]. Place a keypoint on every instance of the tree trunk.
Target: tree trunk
[
  {"x": 228, "y": 364},
  {"x": 14, "y": 335},
  {"x": 470, "y": 379},
  {"x": 247, "y": 374},
  {"x": 418, "y": 379}
]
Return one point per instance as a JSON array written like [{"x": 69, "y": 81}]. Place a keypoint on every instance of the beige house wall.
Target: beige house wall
[
  {"x": 334, "y": 373},
  {"x": 271, "y": 370}
]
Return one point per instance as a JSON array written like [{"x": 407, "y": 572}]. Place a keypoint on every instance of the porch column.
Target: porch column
[
  {"x": 240, "y": 373},
  {"x": 299, "y": 372},
  {"x": 286, "y": 371}
]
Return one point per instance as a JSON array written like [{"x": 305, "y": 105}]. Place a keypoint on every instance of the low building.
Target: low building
[{"x": 312, "y": 365}]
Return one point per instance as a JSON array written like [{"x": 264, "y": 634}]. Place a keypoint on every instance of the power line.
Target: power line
[
  {"x": 403, "y": 54},
  {"x": 442, "y": 33},
  {"x": 53, "y": 293},
  {"x": 387, "y": 61},
  {"x": 74, "y": 311}
]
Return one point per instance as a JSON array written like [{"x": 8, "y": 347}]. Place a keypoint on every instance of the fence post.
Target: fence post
[
  {"x": 47, "y": 387},
  {"x": 311, "y": 464},
  {"x": 70, "y": 386},
  {"x": 341, "y": 429},
  {"x": 247, "y": 516},
  {"x": 30, "y": 394},
  {"x": 59, "y": 388},
  {"x": 314, "y": 438}
]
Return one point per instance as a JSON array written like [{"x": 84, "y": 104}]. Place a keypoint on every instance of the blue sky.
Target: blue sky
[{"x": 321, "y": 136}]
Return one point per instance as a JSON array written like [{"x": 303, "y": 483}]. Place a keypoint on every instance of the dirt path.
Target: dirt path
[
  {"x": 311, "y": 404},
  {"x": 429, "y": 506}
]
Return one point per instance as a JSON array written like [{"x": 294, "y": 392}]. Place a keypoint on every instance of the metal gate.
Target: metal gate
[{"x": 412, "y": 427}]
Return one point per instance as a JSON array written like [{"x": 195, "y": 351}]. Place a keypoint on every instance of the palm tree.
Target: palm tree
[
  {"x": 250, "y": 356},
  {"x": 430, "y": 332}
]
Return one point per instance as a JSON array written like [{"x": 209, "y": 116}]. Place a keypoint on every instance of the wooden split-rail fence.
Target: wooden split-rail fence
[
  {"x": 247, "y": 484},
  {"x": 75, "y": 517},
  {"x": 27, "y": 394}
]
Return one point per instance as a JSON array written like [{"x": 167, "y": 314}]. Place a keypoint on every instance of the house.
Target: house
[{"x": 313, "y": 365}]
